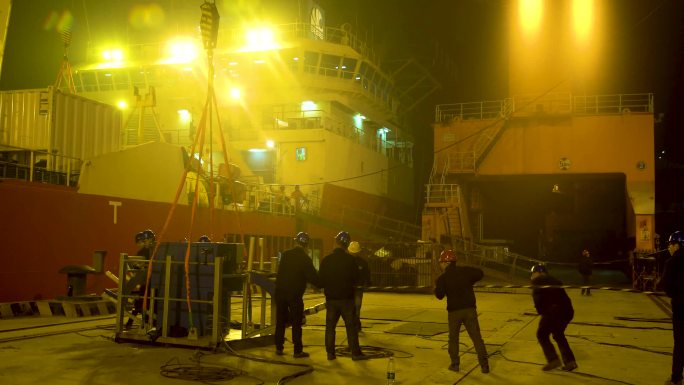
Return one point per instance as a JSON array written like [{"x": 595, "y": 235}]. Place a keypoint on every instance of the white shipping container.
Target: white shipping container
[{"x": 69, "y": 126}]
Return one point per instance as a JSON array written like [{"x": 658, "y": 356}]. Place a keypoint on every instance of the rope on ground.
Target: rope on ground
[
  {"x": 623, "y": 346},
  {"x": 306, "y": 369},
  {"x": 575, "y": 372},
  {"x": 621, "y": 326},
  {"x": 640, "y": 319},
  {"x": 373, "y": 352},
  {"x": 199, "y": 372}
]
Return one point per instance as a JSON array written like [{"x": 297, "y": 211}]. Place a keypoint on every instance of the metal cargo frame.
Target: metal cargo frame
[{"x": 153, "y": 329}]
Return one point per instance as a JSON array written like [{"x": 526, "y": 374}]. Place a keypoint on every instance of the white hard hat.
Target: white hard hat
[{"x": 354, "y": 247}]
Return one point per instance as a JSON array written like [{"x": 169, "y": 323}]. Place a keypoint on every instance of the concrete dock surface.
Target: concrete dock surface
[{"x": 617, "y": 337}]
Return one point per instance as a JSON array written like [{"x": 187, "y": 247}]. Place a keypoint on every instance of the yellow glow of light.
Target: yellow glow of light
[
  {"x": 260, "y": 39},
  {"x": 270, "y": 143},
  {"x": 530, "y": 12},
  {"x": 181, "y": 51},
  {"x": 122, "y": 104},
  {"x": 235, "y": 93},
  {"x": 583, "y": 19},
  {"x": 358, "y": 120},
  {"x": 184, "y": 116},
  {"x": 308, "y": 105},
  {"x": 112, "y": 55}
]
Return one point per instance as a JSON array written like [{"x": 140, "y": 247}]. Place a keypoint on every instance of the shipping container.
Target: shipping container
[{"x": 69, "y": 127}]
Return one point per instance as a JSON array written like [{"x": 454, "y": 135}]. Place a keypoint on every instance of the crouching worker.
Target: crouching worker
[{"x": 555, "y": 308}]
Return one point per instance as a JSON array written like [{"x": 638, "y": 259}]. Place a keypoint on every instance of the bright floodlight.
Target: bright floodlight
[
  {"x": 181, "y": 51},
  {"x": 184, "y": 116},
  {"x": 122, "y": 104},
  {"x": 260, "y": 39},
  {"x": 112, "y": 55},
  {"x": 235, "y": 93},
  {"x": 308, "y": 105},
  {"x": 270, "y": 143},
  {"x": 583, "y": 20},
  {"x": 530, "y": 13}
]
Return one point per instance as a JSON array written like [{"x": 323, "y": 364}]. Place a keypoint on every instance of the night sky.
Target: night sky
[{"x": 645, "y": 50}]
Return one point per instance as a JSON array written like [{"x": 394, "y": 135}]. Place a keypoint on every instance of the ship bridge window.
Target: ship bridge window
[
  {"x": 362, "y": 72},
  {"x": 363, "y": 68},
  {"x": 104, "y": 81},
  {"x": 311, "y": 62},
  {"x": 348, "y": 67},
  {"x": 138, "y": 78},
  {"x": 120, "y": 79},
  {"x": 87, "y": 81},
  {"x": 153, "y": 76},
  {"x": 291, "y": 59},
  {"x": 330, "y": 65}
]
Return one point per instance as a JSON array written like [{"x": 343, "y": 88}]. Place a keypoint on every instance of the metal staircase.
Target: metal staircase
[
  {"x": 140, "y": 130},
  {"x": 447, "y": 212},
  {"x": 446, "y": 201},
  {"x": 142, "y": 124},
  {"x": 374, "y": 227}
]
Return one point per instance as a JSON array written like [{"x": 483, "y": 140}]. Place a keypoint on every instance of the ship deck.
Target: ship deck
[{"x": 618, "y": 338}]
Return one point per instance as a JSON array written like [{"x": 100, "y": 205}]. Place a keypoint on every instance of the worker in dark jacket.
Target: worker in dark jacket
[
  {"x": 457, "y": 284},
  {"x": 294, "y": 271},
  {"x": 339, "y": 275},
  {"x": 585, "y": 268},
  {"x": 673, "y": 283},
  {"x": 137, "y": 273},
  {"x": 364, "y": 279},
  {"x": 555, "y": 308}
]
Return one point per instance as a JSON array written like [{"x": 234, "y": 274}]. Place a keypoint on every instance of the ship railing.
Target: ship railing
[
  {"x": 372, "y": 223},
  {"x": 234, "y": 37},
  {"x": 491, "y": 109},
  {"x": 38, "y": 166},
  {"x": 612, "y": 104},
  {"x": 551, "y": 103},
  {"x": 442, "y": 193},
  {"x": 266, "y": 198},
  {"x": 398, "y": 147},
  {"x": 402, "y": 266},
  {"x": 414, "y": 266}
]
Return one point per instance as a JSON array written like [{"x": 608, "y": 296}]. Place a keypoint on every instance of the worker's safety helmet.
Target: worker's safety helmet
[
  {"x": 676, "y": 237},
  {"x": 354, "y": 247},
  {"x": 302, "y": 238},
  {"x": 139, "y": 237},
  {"x": 149, "y": 234},
  {"x": 447, "y": 256},
  {"x": 538, "y": 268},
  {"x": 343, "y": 238},
  {"x": 204, "y": 238},
  {"x": 585, "y": 253}
]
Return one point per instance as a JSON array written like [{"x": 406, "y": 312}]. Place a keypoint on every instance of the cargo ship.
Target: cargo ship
[{"x": 121, "y": 142}]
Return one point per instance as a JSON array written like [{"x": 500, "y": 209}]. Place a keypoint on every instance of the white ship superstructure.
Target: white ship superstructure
[{"x": 298, "y": 104}]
